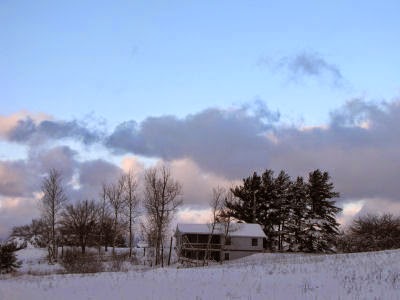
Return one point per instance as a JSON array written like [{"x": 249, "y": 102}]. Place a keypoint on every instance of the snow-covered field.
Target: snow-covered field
[{"x": 374, "y": 275}]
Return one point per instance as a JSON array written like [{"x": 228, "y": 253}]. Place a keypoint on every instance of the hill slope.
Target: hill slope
[{"x": 261, "y": 276}]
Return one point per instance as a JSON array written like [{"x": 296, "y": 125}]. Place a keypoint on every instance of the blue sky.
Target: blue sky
[
  {"x": 217, "y": 89},
  {"x": 130, "y": 59}
]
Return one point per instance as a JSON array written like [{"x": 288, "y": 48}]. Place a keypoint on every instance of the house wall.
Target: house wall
[
  {"x": 241, "y": 247},
  {"x": 245, "y": 243},
  {"x": 198, "y": 245}
]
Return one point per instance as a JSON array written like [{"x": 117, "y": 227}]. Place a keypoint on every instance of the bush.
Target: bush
[
  {"x": 8, "y": 260},
  {"x": 371, "y": 233},
  {"x": 117, "y": 261},
  {"x": 75, "y": 262}
]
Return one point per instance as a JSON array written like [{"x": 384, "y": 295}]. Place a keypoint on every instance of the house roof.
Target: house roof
[{"x": 235, "y": 229}]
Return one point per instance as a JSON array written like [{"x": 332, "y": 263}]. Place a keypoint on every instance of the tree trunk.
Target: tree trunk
[
  {"x": 130, "y": 232},
  {"x": 169, "y": 254},
  {"x": 115, "y": 231},
  {"x": 162, "y": 255}
]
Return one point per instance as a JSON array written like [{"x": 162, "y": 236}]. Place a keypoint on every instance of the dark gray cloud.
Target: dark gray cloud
[
  {"x": 62, "y": 158},
  {"x": 16, "y": 179},
  {"x": 305, "y": 64},
  {"x": 359, "y": 147},
  {"x": 92, "y": 174},
  {"x": 220, "y": 140},
  {"x": 29, "y": 131},
  {"x": 22, "y": 178}
]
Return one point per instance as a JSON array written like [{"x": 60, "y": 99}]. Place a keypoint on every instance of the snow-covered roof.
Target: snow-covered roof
[{"x": 235, "y": 229}]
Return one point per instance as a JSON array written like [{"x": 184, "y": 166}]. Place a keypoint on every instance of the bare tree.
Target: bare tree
[
  {"x": 104, "y": 216},
  {"x": 216, "y": 204},
  {"x": 80, "y": 221},
  {"x": 371, "y": 232},
  {"x": 52, "y": 202},
  {"x": 114, "y": 194},
  {"x": 224, "y": 217},
  {"x": 162, "y": 198},
  {"x": 131, "y": 202}
]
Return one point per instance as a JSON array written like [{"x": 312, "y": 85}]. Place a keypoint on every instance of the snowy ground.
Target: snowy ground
[{"x": 374, "y": 275}]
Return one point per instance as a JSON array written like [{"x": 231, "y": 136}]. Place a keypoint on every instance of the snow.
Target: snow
[
  {"x": 235, "y": 229},
  {"x": 373, "y": 275},
  {"x": 25, "y": 242},
  {"x": 34, "y": 261}
]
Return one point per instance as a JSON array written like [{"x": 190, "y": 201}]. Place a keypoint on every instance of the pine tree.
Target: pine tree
[
  {"x": 322, "y": 227},
  {"x": 245, "y": 206},
  {"x": 8, "y": 259},
  {"x": 281, "y": 204},
  {"x": 296, "y": 223},
  {"x": 297, "y": 216},
  {"x": 268, "y": 208},
  {"x": 257, "y": 201}
]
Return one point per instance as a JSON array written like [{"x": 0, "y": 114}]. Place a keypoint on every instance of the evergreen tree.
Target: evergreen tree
[
  {"x": 322, "y": 227},
  {"x": 268, "y": 208},
  {"x": 245, "y": 206},
  {"x": 8, "y": 259},
  {"x": 255, "y": 201},
  {"x": 281, "y": 207},
  {"x": 295, "y": 216},
  {"x": 296, "y": 223}
]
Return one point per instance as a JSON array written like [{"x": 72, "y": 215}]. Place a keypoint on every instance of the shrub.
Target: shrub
[
  {"x": 371, "y": 233},
  {"x": 117, "y": 261},
  {"x": 8, "y": 259},
  {"x": 74, "y": 261}
]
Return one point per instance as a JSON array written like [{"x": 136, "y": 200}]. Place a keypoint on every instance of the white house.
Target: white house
[{"x": 227, "y": 241}]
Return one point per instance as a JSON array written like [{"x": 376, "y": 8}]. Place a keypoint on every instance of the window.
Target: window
[
  {"x": 226, "y": 256},
  {"x": 228, "y": 241},
  {"x": 254, "y": 242}
]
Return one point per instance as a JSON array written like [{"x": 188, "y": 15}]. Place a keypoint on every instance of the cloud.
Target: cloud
[
  {"x": 92, "y": 175},
  {"x": 197, "y": 184},
  {"x": 22, "y": 178},
  {"x": 28, "y": 131},
  {"x": 9, "y": 123},
  {"x": 196, "y": 216},
  {"x": 362, "y": 159},
  {"x": 15, "y": 211},
  {"x": 132, "y": 163},
  {"x": 229, "y": 142},
  {"x": 15, "y": 179},
  {"x": 62, "y": 158},
  {"x": 305, "y": 64},
  {"x": 20, "y": 182},
  {"x": 379, "y": 206},
  {"x": 35, "y": 129},
  {"x": 359, "y": 146}
]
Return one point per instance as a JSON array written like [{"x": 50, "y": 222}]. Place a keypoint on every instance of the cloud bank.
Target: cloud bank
[{"x": 360, "y": 147}]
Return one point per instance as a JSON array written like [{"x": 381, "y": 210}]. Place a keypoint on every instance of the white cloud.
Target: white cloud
[
  {"x": 190, "y": 215},
  {"x": 197, "y": 183}
]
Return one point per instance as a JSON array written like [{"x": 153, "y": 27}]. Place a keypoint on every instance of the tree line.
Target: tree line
[
  {"x": 103, "y": 222},
  {"x": 296, "y": 215}
]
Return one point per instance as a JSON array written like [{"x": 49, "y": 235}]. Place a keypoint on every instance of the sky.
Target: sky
[{"x": 216, "y": 90}]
